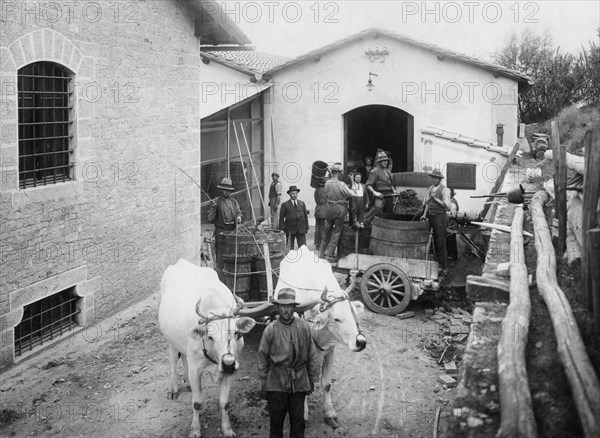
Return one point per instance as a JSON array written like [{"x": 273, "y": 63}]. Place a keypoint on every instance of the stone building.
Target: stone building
[{"x": 100, "y": 107}]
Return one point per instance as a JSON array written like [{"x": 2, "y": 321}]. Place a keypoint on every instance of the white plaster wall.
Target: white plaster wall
[{"x": 309, "y": 100}]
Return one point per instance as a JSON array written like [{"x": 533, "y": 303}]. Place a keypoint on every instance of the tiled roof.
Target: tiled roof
[
  {"x": 469, "y": 141},
  {"x": 439, "y": 51},
  {"x": 246, "y": 61}
]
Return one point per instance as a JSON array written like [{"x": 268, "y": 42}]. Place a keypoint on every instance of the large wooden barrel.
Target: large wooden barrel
[
  {"x": 240, "y": 272},
  {"x": 246, "y": 245},
  {"x": 346, "y": 244},
  {"x": 259, "y": 273},
  {"x": 319, "y": 170},
  {"x": 398, "y": 236}
]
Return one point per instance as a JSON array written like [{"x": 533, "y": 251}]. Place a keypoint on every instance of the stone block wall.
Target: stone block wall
[{"x": 128, "y": 212}]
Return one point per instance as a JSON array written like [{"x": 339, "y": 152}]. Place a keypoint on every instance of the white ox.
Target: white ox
[
  {"x": 333, "y": 322},
  {"x": 197, "y": 316}
]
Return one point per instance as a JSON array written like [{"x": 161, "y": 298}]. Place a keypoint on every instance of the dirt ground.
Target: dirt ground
[{"x": 110, "y": 380}]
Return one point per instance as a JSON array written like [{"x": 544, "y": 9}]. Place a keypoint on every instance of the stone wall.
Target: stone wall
[{"x": 128, "y": 211}]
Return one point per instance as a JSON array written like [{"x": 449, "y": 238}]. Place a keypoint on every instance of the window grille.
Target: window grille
[
  {"x": 45, "y": 119},
  {"x": 46, "y": 320}
]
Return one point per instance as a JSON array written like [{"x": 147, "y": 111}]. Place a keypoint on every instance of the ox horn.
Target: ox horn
[
  {"x": 324, "y": 294},
  {"x": 239, "y": 304},
  {"x": 198, "y": 310}
]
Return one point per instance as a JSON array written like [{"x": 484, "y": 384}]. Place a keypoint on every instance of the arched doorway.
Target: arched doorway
[{"x": 370, "y": 127}]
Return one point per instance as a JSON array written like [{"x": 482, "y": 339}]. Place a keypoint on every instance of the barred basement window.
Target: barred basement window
[
  {"x": 46, "y": 320},
  {"x": 45, "y": 118}
]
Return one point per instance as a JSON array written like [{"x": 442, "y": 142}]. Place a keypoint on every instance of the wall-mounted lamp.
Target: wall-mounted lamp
[{"x": 370, "y": 84}]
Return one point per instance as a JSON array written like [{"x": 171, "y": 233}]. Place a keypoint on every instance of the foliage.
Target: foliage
[
  {"x": 560, "y": 79},
  {"x": 587, "y": 73}
]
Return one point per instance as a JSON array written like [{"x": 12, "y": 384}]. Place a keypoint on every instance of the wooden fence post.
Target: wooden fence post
[
  {"x": 593, "y": 242},
  {"x": 591, "y": 183},
  {"x": 559, "y": 151}
]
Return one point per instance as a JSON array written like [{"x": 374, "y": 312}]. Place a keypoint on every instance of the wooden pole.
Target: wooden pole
[
  {"x": 517, "y": 418},
  {"x": 274, "y": 147},
  {"x": 560, "y": 186},
  {"x": 244, "y": 172},
  {"x": 500, "y": 179},
  {"x": 262, "y": 199},
  {"x": 571, "y": 349},
  {"x": 593, "y": 243},
  {"x": 591, "y": 181}
]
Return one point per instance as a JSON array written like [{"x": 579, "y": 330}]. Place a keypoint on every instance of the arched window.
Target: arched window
[{"x": 45, "y": 119}]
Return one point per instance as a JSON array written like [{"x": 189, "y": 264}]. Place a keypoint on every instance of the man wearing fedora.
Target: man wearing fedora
[
  {"x": 293, "y": 219},
  {"x": 224, "y": 213},
  {"x": 288, "y": 366},
  {"x": 380, "y": 183},
  {"x": 275, "y": 199},
  {"x": 437, "y": 204}
]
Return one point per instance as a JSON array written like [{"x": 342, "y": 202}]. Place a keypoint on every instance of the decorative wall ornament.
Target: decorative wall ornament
[{"x": 377, "y": 54}]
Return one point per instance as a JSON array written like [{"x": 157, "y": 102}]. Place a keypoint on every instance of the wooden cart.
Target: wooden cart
[{"x": 401, "y": 272}]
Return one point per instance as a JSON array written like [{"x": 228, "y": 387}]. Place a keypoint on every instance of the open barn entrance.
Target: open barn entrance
[{"x": 370, "y": 127}]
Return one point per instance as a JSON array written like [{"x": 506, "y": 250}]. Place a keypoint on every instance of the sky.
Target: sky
[{"x": 476, "y": 28}]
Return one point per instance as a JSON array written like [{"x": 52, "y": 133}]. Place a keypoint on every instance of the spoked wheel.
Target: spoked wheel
[{"x": 385, "y": 289}]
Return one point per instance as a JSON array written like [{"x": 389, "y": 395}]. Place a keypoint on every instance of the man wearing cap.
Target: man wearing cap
[
  {"x": 224, "y": 212},
  {"x": 337, "y": 194},
  {"x": 437, "y": 204},
  {"x": 380, "y": 183},
  {"x": 275, "y": 199},
  {"x": 293, "y": 219},
  {"x": 288, "y": 366}
]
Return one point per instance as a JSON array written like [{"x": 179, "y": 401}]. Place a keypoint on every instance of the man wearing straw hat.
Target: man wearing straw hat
[
  {"x": 380, "y": 184},
  {"x": 224, "y": 213},
  {"x": 288, "y": 366},
  {"x": 437, "y": 204},
  {"x": 293, "y": 219}
]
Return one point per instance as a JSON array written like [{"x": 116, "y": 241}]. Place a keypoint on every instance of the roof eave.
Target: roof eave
[{"x": 524, "y": 81}]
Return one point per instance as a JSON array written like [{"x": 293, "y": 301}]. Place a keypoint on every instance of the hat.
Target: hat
[
  {"x": 293, "y": 189},
  {"x": 381, "y": 156},
  {"x": 226, "y": 184},
  {"x": 369, "y": 159},
  {"x": 286, "y": 296},
  {"x": 436, "y": 173},
  {"x": 275, "y": 174},
  {"x": 337, "y": 167}
]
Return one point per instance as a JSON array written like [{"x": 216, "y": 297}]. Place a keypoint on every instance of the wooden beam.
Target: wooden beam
[
  {"x": 591, "y": 181},
  {"x": 512, "y": 372},
  {"x": 560, "y": 185},
  {"x": 500, "y": 179},
  {"x": 571, "y": 349}
]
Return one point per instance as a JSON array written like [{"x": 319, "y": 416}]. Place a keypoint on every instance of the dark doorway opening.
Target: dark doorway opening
[{"x": 373, "y": 127}]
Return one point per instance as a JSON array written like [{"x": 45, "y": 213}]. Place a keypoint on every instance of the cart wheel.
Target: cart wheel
[{"x": 385, "y": 289}]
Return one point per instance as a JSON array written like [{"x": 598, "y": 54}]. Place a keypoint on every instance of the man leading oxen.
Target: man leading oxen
[
  {"x": 198, "y": 317},
  {"x": 334, "y": 321}
]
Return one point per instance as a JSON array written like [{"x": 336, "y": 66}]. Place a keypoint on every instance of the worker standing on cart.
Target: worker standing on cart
[
  {"x": 380, "y": 184},
  {"x": 337, "y": 194},
  {"x": 225, "y": 213},
  {"x": 436, "y": 208}
]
